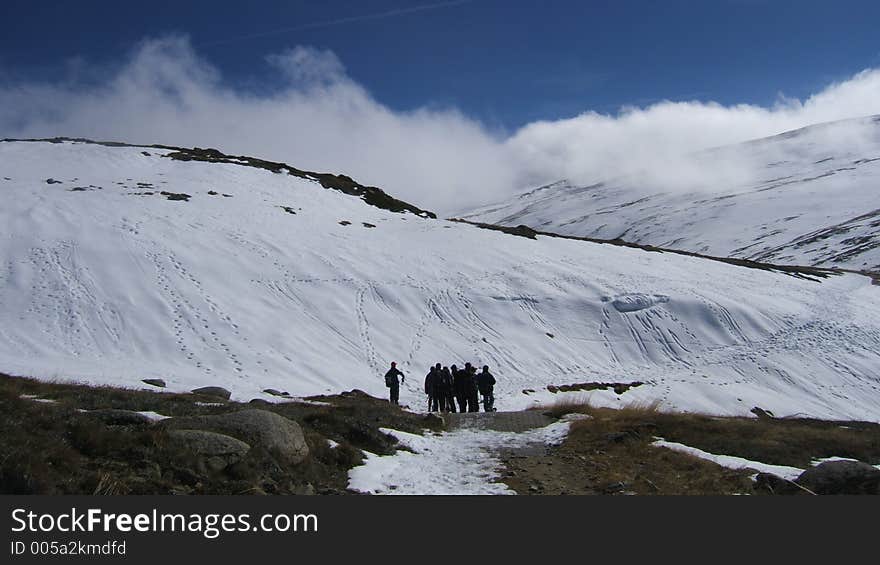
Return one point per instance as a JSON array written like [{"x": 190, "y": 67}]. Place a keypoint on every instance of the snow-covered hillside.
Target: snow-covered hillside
[
  {"x": 807, "y": 197},
  {"x": 267, "y": 280}
]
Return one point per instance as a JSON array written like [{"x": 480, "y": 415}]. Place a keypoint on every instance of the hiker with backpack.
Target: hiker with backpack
[
  {"x": 432, "y": 384},
  {"x": 459, "y": 388},
  {"x": 447, "y": 390},
  {"x": 392, "y": 383},
  {"x": 471, "y": 387},
  {"x": 486, "y": 385}
]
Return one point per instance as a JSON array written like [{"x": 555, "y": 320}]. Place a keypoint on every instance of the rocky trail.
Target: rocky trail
[{"x": 519, "y": 421}]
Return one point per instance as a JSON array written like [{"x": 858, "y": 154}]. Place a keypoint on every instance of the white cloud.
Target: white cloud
[
  {"x": 320, "y": 119},
  {"x": 656, "y": 143},
  {"x": 308, "y": 66}
]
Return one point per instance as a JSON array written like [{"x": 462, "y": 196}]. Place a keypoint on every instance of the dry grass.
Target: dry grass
[
  {"x": 581, "y": 404},
  {"x": 611, "y": 450},
  {"x": 56, "y": 448}
]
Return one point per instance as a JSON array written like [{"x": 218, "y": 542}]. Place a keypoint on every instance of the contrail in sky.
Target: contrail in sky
[{"x": 340, "y": 21}]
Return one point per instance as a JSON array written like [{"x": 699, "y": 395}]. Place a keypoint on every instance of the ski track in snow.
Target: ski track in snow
[{"x": 110, "y": 287}]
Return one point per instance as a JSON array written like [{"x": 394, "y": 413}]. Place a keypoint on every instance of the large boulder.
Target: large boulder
[
  {"x": 841, "y": 477},
  {"x": 214, "y": 451},
  {"x": 217, "y": 391},
  {"x": 281, "y": 437}
]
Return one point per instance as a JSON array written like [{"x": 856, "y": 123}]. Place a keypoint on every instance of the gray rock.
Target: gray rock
[
  {"x": 217, "y": 391},
  {"x": 841, "y": 477},
  {"x": 214, "y": 451},
  {"x": 307, "y": 490},
  {"x": 116, "y": 417},
  {"x": 768, "y": 483},
  {"x": 155, "y": 382},
  {"x": 274, "y": 392},
  {"x": 281, "y": 437}
]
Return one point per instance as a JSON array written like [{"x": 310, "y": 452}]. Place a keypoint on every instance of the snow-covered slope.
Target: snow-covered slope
[
  {"x": 266, "y": 280},
  {"x": 807, "y": 197}
]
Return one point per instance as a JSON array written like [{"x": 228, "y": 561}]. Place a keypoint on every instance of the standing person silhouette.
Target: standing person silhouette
[
  {"x": 486, "y": 384},
  {"x": 473, "y": 402},
  {"x": 459, "y": 387},
  {"x": 392, "y": 383},
  {"x": 432, "y": 388}
]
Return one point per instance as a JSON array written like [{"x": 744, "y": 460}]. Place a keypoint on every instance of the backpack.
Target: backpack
[{"x": 389, "y": 379}]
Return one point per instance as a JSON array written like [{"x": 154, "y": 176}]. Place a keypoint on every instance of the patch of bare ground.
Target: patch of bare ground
[
  {"x": 610, "y": 451},
  {"x": 76, "y": 439}
]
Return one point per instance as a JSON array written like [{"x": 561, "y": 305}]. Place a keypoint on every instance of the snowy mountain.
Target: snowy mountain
[
  {"x": 806, "y": 197},
  {"x": 121, "y": 263}
]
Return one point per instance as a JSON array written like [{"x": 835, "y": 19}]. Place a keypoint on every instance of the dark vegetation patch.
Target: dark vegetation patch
[
  {"x": 618, "y": 388},
  {"x": 90, "y": 441},
  {"x": 176, "y": 196},
  {"x": 610, "y": 452},
  {"x": 372, "y": 195},
  {"x": 802, "y": 272}
]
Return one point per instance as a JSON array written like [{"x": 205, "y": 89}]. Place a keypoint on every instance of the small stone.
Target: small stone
[
  {"x": 217, "y": 391},
  {"x": 305, "y": 490},
  {"x": 116, "y": 417},
  {"x": 155, "y": 382}
]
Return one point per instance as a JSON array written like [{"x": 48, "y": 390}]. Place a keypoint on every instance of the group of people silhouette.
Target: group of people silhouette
[{"x": 447, "y": 387}]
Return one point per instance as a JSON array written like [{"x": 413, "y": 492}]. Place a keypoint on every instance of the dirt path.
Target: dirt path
[{"x": 520, "y": 421}]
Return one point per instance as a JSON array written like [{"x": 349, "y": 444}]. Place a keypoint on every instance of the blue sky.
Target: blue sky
[{"x": 505, "y": 63}]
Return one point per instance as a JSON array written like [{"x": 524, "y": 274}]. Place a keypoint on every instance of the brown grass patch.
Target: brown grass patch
[
  {"x": 59, "y": 448},
  {"x": 611, "y": 451}
]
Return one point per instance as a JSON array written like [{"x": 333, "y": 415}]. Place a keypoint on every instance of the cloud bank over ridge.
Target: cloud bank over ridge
[{"x": 316, "y": 117}]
